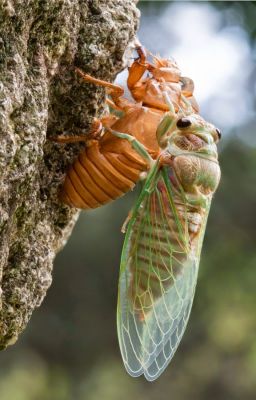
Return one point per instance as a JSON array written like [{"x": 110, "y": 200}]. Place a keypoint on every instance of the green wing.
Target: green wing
[{"x": 158, "y": 275}]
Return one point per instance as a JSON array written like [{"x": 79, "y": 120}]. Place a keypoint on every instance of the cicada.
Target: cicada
[
  {"x": 162, "y": 246},
  {"x": 172, "y": 149}
]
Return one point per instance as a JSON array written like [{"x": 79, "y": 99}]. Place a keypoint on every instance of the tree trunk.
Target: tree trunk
[{"x": 40, "y": 43}]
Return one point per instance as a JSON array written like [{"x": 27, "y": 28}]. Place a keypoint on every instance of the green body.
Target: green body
[{"x": 162, "y": 246}]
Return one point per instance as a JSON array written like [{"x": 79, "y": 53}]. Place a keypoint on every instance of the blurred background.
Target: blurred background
[{"x": 69, "y": 349}]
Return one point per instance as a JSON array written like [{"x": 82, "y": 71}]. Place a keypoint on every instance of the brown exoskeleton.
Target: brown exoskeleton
[{"x": 110, "y": 166}]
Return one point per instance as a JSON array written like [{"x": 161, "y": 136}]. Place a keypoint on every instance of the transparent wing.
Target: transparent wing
[{"x": 158, "y": 274}]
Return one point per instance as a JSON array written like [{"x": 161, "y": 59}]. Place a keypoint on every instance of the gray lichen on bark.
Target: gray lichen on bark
[{"x": 40, "y": 42}]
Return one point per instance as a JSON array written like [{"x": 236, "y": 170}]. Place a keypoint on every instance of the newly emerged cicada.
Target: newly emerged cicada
[
  {"x": 162, "y": 246},
  {"x": 163, "y": 140}
]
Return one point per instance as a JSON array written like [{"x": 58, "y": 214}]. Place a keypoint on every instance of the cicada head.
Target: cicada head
[
  {"x": 192, "y": 134},
  {"x": 187, "y": 131}
]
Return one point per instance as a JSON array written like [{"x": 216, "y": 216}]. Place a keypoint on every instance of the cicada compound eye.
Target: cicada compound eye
[{"x": 183, "y": 123}]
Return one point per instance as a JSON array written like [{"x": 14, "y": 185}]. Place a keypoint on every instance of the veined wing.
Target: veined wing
[{"x": 158, "y": 274}]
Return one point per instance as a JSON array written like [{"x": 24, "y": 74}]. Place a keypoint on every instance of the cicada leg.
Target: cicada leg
[
  {"x": 137, "y": 69},
  {"x": 135, "y": 144},
  {"x": 113, "y": 105},
  {"x": 93, "y": 134},
  {"x": 188, "y": 105},
  {"x": 115, "y": 91},
  {"x": 126, "y": 222},
  {"x": 167, "y": 124}
]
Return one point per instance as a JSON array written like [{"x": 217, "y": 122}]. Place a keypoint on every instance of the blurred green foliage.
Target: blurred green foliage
[{"x": 70, "y": 349}]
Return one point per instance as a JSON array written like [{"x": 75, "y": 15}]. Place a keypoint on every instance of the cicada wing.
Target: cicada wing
[{"x": 158, "y": 276}]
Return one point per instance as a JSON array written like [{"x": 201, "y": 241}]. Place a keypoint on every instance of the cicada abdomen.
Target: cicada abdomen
[{"x": 99, "y": 176}]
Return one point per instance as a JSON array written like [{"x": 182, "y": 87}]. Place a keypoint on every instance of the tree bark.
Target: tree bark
[{"x": 40, "y": 43}]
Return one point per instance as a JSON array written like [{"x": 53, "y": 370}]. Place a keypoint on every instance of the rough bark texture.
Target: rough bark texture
[{"x": 40, "y": 42}]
